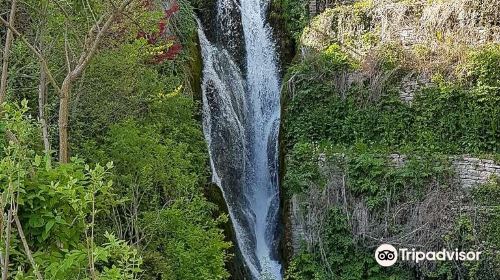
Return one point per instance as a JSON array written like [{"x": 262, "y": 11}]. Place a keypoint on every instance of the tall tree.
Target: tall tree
[{"x": 75, "y": 68}]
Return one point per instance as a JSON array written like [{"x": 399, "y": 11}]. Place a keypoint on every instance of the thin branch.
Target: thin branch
[
  {"x": 35, "y": 51},
  {"x": 67, "y": 16},
  {"x": 43, "y": 83},
  {"x": 6, "y": 54},
  {"x": 92, "y": 11},
  {"x": 66, "y": 51},
  {"x": 87, "y": 55},
  {"x": 26, "y": 247},
  {"x": 5, "y": 265}
]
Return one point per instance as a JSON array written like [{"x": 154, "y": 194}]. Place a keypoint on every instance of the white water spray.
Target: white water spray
[{"x": 240, "y": 121}]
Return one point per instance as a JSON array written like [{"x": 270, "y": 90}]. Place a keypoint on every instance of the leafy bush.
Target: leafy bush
[
  {"x": 294, "y": 13},
  {"x": 161, "y": 169},
  {"x": 483, "y": 66},
  {"x": 54, "y": 208},
  {"x": 444, "y": 118},
  {"x": 369, "y": 172},
  {"x": 184, "y": 242}
]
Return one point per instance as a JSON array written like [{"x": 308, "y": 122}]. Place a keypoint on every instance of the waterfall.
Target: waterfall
[{"x": 241, "y": 107}]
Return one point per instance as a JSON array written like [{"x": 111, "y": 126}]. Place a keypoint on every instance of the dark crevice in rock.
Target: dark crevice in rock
[{"x": 235, "y": 265}]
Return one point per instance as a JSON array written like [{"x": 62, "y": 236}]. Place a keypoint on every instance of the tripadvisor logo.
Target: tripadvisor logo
[{"x": 387, "y": 255}]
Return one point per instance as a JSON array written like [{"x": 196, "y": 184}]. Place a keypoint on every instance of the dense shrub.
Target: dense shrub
[
  {"x": 55, "y": 208},
  {"x": 294, "y": 14},
  {"x": 134, "y": 106},
  {"x": 444, "y": 117}
]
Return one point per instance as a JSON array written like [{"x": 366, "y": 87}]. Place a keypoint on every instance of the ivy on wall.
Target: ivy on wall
[
  {"x": 331, "y": 118},
  {"x": 445, "y": 117}
]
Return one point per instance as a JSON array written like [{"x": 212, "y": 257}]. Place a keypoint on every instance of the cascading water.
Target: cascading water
[{"x": 241, "y": 105}]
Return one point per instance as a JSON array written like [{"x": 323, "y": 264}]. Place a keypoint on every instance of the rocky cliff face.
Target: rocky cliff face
[
  {"x": 363, "y": 24},
  {"x": 434, "y": 27},
  {"x": 423, "y": 221},
  {"x": 434, "y": 40}
]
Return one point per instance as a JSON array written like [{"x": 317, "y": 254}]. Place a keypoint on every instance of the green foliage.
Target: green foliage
[
  {"x": 22, "y": 64},
  {"x": 160, "y": 170},
  {"x": 117, "y": 260},
  {"x": 125, "y": 108},
  {"x": 443, "y": 118},
  {"x": 56, "y": 206},
  {"x": 161, "y": 164},
  {"x": 160, "y": 156},
  {"x": 477, "y": 230},
  {"x": 305, "y": 267},
  {"x": 488, "y": 195},
  {"x": 390, "y": 57},
  {"x": 369, "y": 172},
  {"x": 483, "y": 66},
  {"x": 330, "y": 61},
  {"x": 303, "y": 168},
  {"x": 186, "y": 25},
  {"x": 339, "y": 257},
  {"x": 373, "y": 176},
  {"x": 161, "y": 167},
  {"x": 156, "y": 173},
  {"x": 184, "y": 242},
  {"x": 337, "y": 59},
  {"x": 148, "y": 129},
  {"x": 456, "y": 120},
  {"x": 331, "y": 127},
  {"x": 295, "y": 15},
  {"x": 203, "y": 5},
  {"x": 123, "y": 72}
]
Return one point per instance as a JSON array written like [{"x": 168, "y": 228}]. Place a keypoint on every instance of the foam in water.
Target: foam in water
[{"x": 240, "y": 119}]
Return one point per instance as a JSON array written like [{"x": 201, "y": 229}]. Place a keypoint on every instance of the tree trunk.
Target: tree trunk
[
  {"x": 74, "y": 74},
  {"x": 63, "y": 120},
  {"x": 6, "y": 52},
  {"x": 43, "y": 83},
  {"x": 42, "y": 101}
]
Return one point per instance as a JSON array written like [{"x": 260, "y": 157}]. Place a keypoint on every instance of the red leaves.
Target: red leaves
[
  {"x": 174, "y": 9},
  {"x": 160, "y": 37},
  {"x": 161, "y": 26},
  {"x": 170, "y": 54}
]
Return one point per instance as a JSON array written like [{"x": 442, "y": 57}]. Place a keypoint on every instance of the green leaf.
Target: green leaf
[
  {"x": 49, "y": 225},
  {"x": 38, "y": 160}
]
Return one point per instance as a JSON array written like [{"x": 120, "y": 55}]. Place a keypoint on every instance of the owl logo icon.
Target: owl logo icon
[{"x": 386, "y": 255}]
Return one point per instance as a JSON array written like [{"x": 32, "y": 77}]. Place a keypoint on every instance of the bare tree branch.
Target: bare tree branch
[
  {"x": 66, "y": 51},
  {"x": 6, "y": 53},
  {"x": 26, "y": 247},
  {"x": 87, "y": 55},
  {"x": 35, "y": 51},
  {"x": 91, "y": 44}
]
